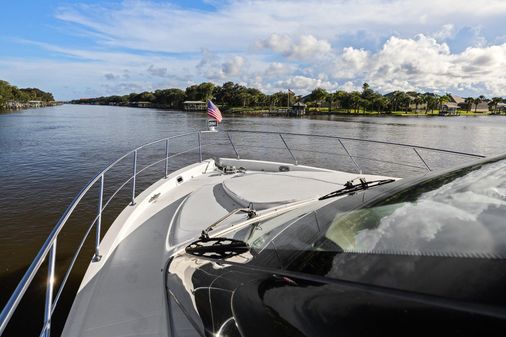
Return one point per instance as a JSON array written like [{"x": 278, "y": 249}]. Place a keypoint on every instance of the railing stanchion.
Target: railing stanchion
[
  {"x": 233, "y": 146},
  {"x": 166, "y": 158},
  {"x": 134, "y": 177},
  {"x": 49, "y": 290},
  {"x": 349, "y": 155},
  {"x": 200, "y": 146},
  {"x": 98, "y": 228},
  {"x": 290, "y": 151},
  {"x": 421, "y": 158}
]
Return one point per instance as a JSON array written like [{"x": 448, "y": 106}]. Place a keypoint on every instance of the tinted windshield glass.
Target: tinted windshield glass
[
  {"x": 459, "y": 214},
  {"x": 456, "y": 214}
]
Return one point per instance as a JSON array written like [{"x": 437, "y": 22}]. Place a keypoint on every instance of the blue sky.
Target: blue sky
[{"x": 92, "y": 48}]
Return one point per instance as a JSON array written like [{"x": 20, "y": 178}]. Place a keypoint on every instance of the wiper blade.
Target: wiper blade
[
  {"x": 250, "y": 211},
  {"x": 349, "y": 187},
  {"x": 219, "y": 248}
]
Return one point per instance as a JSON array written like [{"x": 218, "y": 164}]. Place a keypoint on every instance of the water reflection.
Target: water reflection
[{"x": 462, "y": 217}]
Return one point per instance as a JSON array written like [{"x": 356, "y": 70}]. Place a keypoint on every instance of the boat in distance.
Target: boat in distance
[{"x": 319, "y": 236}]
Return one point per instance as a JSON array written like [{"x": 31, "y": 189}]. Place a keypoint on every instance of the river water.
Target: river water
[{"x": 47, "y": 155}]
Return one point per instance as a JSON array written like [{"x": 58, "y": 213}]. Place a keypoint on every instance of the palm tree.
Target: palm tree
[
  {"x": 355, "y": 98},
  {"x": 443, "y": 100},
  {"x": 396, "y": 100},
  {"x": 401, "y": 100},
  {"x": 318, "y": 95},
  {"x": 427, "y": 99},
  {"x": 379, "y": 103},
  {"x": 417, "y": 100},
  {"x": 339, "y": 97},
  {"x": 329, "y": 99},
  {"x": 469, "y": 103},
  {"x": 495, "y": 102},
  {"x": 434, "y": 103},
  {"x": 476, "y": 101}
]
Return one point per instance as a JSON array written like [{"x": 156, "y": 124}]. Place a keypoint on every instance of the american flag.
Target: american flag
[{"x": 213, "y": 111}]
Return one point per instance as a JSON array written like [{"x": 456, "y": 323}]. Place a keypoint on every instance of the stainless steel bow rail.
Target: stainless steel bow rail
[{"x": 48, "y": 249}]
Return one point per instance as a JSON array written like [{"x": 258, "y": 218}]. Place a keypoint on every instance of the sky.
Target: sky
[{"x": 81, "y": 49}]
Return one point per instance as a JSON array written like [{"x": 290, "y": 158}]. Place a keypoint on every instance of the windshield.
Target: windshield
[
  {"x": 461, "y": 214},
  {"x": 458, "y": 214}
]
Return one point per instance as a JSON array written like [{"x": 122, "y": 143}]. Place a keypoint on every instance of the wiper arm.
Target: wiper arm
[
  {"x": 349, "y": 187},
  {"x": 250, "y": 211}
]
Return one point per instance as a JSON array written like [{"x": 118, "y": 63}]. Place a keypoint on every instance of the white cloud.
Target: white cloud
[
  {"x": 424, "y": 63},
  {"x": 447, "y": 31},
  {"x": 411, "y": 45},
  {"x": 349, "y": 86},
  {"x": 110, "y": 76},
  {"x": 160, "y": 71},
  {"x": 278, "y": 69},
  {"x": 156, "y": 26},
  {"x": 216, "y": 67},
  {"x": 233, "y": 66},
  {"x": 351, "y": 63},
  {"x": 306, "y": 46},
  {"x": 306, "y": 84}
]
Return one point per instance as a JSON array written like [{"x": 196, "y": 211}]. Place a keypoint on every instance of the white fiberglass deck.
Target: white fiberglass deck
[{"x": 123, "y": 294}]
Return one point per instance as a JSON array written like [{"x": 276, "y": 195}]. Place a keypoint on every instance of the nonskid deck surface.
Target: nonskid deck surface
[{"x": 123, "y": 294}]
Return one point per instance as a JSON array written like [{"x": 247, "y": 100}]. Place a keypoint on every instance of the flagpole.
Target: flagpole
[{"x": 212, "y": 121}]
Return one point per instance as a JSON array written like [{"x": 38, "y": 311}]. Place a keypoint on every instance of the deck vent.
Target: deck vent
[
  {"x": 179, "y": 180},
  {"x": 283, "y": 168}
]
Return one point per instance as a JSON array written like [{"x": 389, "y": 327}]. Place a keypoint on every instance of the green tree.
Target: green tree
[
  {"x": 417, "y": 100},
  {"x": 476, "y": 102},
  {"x": 399, "y": 101},
  {"x": 379, "y": 103},
  {"x": 191, "y": 93},
  {"x": 495, "y": 102},
  {"x": 367, "y": 92},
  {"x": 205, "y": 91},
  {"x": 469, "y": 103},
  {"x": 145, "y": 96},
  {"x": 355, "y": 99},
  {"x": 171, "y": 98},
  {"x": 443, "y": 99},
  {"x": 339, "y": 97},
  {"x": 318, "y": 95}
]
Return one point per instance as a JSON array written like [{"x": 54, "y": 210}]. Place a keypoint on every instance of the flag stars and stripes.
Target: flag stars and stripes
[{"x": 213, "y": 111}]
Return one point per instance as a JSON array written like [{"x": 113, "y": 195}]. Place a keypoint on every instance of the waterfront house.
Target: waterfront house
[
  {"x": 461, "y": 102},
  {"x": 501, "y": 107},
  {"x": 194, "y": 106},
  {"x": 449, "y": 108},
  {"x": 482, "y": 106},
  {"x": 34, "y": 104},
  {"x": 13, "y": 105},
  {"x": 298, "y": 109},
  {"x": 142, "y": 104}
]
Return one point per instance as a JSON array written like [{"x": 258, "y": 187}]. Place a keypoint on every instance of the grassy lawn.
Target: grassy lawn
[
  {"x": 313, "y": 111},
  {"x": 323, "y": 111}
]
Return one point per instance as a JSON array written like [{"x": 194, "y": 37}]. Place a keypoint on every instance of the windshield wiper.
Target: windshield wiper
[
  {"x": 250, "y": 211},
  {"x": 349, "y": 187}
]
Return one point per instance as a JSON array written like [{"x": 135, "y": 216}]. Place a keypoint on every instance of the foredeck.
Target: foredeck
[
  {"x": 177, "y": 207},
  {"x": 124, "y": 294}
]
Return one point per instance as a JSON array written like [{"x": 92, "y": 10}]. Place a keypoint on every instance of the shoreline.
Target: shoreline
[
  {"x": 15, "y": 106},
  {"x": 343, "y": 113}
]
